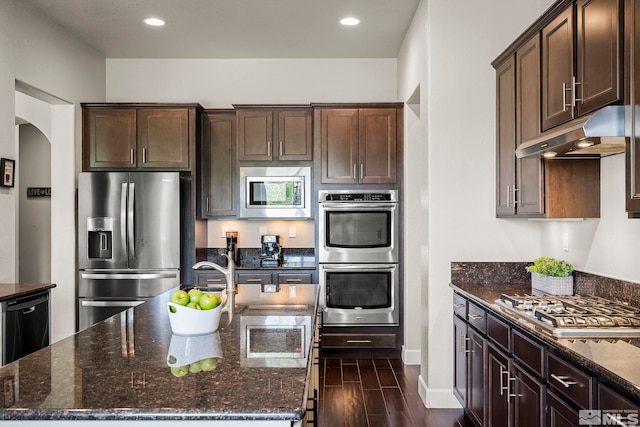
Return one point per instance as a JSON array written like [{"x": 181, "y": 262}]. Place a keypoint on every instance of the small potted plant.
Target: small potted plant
[{"x": 551, "y": 276}]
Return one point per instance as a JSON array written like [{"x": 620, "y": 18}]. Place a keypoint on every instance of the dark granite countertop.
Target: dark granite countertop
[
  {"x": 9, "y": 291},
  {"x": 287, "y": 265},
  {"x": 119, "y": 370},
  {"x": 612, "y": 360}
]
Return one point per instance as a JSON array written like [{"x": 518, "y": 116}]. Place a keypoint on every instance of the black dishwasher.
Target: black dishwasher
[{"x": 24, "y": 326}]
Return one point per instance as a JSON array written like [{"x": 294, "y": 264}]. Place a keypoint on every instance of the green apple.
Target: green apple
[
  {"x": 209, "y": 364},
  {"x": 209, "y": 301},
  {"x": 195, "y": 367},
  {"x": 194, "y": 295},
  {"x": 180, "y": 371},
  {"x": 180, "y": 297},
  {"x": 194, "y": 305}
]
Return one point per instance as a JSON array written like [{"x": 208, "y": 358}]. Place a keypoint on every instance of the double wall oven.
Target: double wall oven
[{"x": 358, "y": 257}]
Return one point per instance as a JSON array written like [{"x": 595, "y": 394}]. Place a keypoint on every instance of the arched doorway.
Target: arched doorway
[{"x": 55, "y": 120}]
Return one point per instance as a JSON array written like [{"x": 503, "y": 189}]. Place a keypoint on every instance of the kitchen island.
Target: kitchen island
[{"x": 120, "y": 371}]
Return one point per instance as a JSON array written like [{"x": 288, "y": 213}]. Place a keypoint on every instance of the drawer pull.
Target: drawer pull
[
  {"x": 459, "y": 305},
  {"x": 509, "y": 393},
  {"x": 294, "y": 280},
  {"x": 475, "y": 316},
  {"x": 358, "y": 341},
  {"x": 214, "y": 280},
  {"x": 254, "y": 280},
  {"x": 562, "y": 379}
]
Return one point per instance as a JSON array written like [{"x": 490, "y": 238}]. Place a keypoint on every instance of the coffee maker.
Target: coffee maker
[
  {"x": 271, "y": 251},
  {"x": 232, "y": 245}
]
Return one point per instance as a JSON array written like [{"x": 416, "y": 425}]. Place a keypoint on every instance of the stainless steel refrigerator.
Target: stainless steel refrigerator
[{"x": 128, "y": 240}]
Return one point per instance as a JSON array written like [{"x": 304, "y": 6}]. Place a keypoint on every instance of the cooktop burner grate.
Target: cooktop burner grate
[{"x": 575, "y": 315}]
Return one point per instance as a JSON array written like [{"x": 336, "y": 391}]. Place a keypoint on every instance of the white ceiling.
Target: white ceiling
[{"x": 235, "y": 28}]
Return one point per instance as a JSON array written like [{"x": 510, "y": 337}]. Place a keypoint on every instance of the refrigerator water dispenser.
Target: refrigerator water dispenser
[{"x": 100, "y": 237}]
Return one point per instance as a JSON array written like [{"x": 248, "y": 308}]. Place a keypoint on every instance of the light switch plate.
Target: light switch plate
[{"x": 292, "y": 231}]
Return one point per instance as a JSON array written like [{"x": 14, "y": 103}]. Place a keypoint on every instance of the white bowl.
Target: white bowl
[
  {"x": 184, "y": 350},
  {"x": 189, "y": 321}
]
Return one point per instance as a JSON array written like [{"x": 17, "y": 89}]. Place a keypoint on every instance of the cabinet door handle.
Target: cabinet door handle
[
  {"x": 280, "y": 155},
  {"x": 514, "y": 194},
  {"x": 564, "y": 97},
  {"x": 207, "y": 205},
  {"x": 354, "y": 172},
  {"x": 144, "y": 155},
  {"x": 562, "y": 379},
  {"x": 361, "y": 171},
  {"x": 358, "y": 341},
  {"x": 509, "y": 393},
  {"x": 268, "y": 148},
  {"x": 574, "y": 90},
  {"x": 503, "y": 387},
  {"x": 508, "y": 196},
  {"x": 132, "y": 156}
]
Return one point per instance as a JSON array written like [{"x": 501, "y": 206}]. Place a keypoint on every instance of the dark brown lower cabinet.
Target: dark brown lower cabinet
[
  {"x": 527, "y": 393},
  {"x": 560, "y": 413},
  {"x": 497, "y": 389},
  {"x": 475, "y": 377},
  {"x": 514, "y": 397},
  {"x": 460, "y": 360}
]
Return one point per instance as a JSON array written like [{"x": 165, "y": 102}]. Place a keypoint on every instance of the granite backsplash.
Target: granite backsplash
[
  {"x": 514, "y": 272},
  {"x": 251, "y": 256}
]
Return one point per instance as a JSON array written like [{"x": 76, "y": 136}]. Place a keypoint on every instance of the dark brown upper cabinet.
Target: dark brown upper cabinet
[
  {"x": 519, "y": 181},
  {"x": 632, "y": 68},
  {"x": 218, "y": 164},
  {"x": 532, "y": 187},
  {"x": 358, "y": 145},
  {"x": 139, "y": 136},
  {"x": 265, "y": 134},
  {"x": 581, "y": 60}
]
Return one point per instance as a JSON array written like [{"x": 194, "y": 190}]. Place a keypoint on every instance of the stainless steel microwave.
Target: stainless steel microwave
[{"x": 275, "y": 192}]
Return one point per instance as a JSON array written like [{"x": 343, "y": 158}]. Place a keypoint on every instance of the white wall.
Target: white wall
[
  {"x": 458, "y": 118},
  {"x": 607, "y": 246},
  {"x": 40, "y": 54},
  {"x": 221, "y": 83}
]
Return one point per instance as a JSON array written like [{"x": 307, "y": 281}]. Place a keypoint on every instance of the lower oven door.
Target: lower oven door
[{"x": 359, "y": 294}]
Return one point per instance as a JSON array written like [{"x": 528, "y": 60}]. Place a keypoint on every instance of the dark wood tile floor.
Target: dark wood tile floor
[{"x": 360, "y": 392}]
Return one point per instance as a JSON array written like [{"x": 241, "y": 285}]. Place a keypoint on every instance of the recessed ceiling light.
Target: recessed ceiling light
[
  {"x": 156, "y": 22},
  {"x": 350, "y": 21}
]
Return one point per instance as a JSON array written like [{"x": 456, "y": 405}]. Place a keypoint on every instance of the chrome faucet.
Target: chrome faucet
[{"x": 229, "y": 275}]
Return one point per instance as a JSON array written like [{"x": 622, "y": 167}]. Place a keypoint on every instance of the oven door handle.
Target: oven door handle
[
  {"x": 334, "y": 267},
  {"x": 364, "y": 205}
]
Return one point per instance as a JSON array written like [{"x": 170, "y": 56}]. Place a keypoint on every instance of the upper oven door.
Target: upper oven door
[{"x": 358, "y": 232}]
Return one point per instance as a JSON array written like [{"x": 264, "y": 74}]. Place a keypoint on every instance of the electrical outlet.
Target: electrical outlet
[
  {"x": 223, "y": 231},
  {"x": 292, "y": 231},
  {"x": 263, "y": 230},
  {"x": 565, "y": 242},
  {"x": 292, "y": 291}
]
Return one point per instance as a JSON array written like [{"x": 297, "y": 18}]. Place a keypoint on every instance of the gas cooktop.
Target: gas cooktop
[{"x": 575, "y": 316}]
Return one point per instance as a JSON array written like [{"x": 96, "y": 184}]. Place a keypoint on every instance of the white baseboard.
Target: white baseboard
[
  {"x": 436, "y": 398},
  {"x": 410, "y": 357}
]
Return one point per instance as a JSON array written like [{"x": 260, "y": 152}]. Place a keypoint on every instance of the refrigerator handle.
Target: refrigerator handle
[
  {"x": 123, "y": 217},
  {"x": 131, "y": 220}
]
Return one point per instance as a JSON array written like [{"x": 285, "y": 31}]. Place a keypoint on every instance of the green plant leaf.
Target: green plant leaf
[{"x": 550, "y": 267}]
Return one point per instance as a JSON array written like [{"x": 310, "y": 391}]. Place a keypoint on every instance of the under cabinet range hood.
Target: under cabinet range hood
[{"x": 596, "y": 135}]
